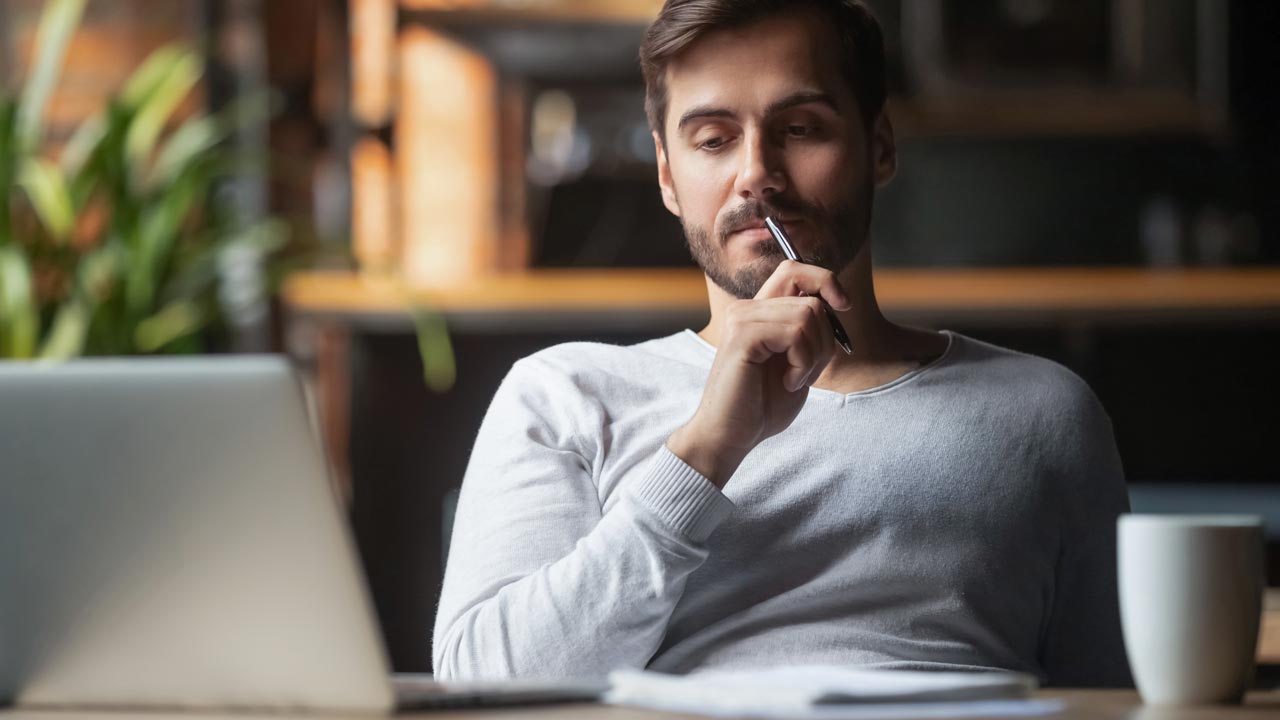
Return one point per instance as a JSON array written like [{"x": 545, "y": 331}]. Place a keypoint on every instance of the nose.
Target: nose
[{"x": 761, "y": 174}]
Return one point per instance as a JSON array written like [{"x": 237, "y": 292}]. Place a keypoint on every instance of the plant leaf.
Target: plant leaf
[
  {"x": 79, "y": 148},
  {"x": 154, "y": 110},
  {"x": 439, "y": 368},
  {"x": 196, "y": 136},
  {"x": 110, "y": 170},
  {"x": 150, "y": 74},
  {"x": 70, "y": 329},
  {"x": 48, "y": 193},
  {"x": 99, "y": 272},
  {"x": 201, "y": 134},
  {"x": 174, "y": 321},
  {"x": 8, "y": 156},
  {"x": 19, "y": 316},
  {"x": 157, "y": 232},
  {"x": 57, "y": 23}
]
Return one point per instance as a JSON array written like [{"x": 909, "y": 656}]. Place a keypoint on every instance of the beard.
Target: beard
[{"x": 841, "y": 233}]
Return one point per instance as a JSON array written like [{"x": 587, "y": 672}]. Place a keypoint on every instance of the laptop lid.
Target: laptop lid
[{"x": 169, "y": 537}]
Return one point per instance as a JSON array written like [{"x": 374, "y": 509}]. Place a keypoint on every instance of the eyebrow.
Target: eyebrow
[{"x": 777, "y": 106}]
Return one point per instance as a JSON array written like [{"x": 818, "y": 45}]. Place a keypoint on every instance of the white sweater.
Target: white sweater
[{"x": 959, "y": 517}]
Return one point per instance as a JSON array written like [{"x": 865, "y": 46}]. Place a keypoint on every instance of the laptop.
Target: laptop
[{"x": 170, "y": 537}]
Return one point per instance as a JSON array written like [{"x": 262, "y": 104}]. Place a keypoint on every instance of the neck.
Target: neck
[{"x": 876, "y": 341}]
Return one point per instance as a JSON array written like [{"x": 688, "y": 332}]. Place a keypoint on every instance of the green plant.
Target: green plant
[{"x": 115, "y": 248}]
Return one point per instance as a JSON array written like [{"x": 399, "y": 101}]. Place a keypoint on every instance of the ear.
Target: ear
[
  {"x": 884, "y": 150},
  {"x": 664, "y": 178}
]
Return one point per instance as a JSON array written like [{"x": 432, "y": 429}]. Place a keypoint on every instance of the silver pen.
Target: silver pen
[{"x": 842, "y": 338}]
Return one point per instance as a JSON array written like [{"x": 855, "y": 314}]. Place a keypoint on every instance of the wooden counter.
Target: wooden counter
[{"x": 1047, "y": 293}]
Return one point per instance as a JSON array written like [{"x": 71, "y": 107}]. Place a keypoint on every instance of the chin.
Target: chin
[{"x": 746, "y": 281}]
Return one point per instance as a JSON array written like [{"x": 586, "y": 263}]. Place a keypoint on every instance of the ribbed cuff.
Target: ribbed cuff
[{"x": 681, "y": 497}]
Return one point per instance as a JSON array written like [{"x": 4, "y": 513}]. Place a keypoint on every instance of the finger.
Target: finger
[
  {"x": 798, "y": 353},
  {"x": 822, "y": 359},
  {"x": 799, "y": 341},
  {"x": 781, "y": 309},
  {"x": 822, "y": 354},
  {"x": 807, "y": 310},
  {"x": 792, "y": 278}
]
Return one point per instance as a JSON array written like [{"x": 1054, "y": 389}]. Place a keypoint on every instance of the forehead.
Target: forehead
[{"x": 746, "y": 68}]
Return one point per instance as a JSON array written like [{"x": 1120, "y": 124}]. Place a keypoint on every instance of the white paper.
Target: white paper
[
  {"x": 874, "y": 711},
  {"x": 830, "y": 692}
]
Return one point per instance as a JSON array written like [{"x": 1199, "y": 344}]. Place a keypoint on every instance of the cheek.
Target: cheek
[
  {"x": 702, "y": 190},
  {"x": 822, "y": 172}
]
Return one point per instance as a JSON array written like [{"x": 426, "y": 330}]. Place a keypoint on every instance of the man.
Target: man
[{"x": 747, "y": 496}]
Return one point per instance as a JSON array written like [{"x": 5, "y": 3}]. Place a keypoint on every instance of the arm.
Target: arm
[
  {"x": 543, "y": 583},
  {"x": 1083, "y": 645}
]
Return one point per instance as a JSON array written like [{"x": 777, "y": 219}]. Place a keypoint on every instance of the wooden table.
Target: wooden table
[
  {"x": 1269, "y": 630},
  {"x": 1077, "y": 705}
]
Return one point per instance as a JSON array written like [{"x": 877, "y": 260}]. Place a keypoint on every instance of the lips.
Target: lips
[
  {"x": 752, "y": 234},
  {"x": 759, "y": 225}
]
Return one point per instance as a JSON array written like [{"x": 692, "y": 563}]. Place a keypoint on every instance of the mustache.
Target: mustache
[{"x": 751, "y": 211}]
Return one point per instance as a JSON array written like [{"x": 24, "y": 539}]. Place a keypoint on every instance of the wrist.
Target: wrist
[{"x": 709, "y": 457}]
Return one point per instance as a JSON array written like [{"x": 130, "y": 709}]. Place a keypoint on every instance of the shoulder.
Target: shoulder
[
  {"x": 589, "y": 363},
  {"x": 600, "y": 377},
  {"x": 1049, "y": 403},
  {"x": 578, "y": 387},
  {"x": 1028, "y": 381}
]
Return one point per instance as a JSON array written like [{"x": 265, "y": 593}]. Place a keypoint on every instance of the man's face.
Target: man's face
[{"x": 760, "y": 121}]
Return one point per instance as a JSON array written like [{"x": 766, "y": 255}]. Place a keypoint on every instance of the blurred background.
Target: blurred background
[{"x": 407, "y": 196}]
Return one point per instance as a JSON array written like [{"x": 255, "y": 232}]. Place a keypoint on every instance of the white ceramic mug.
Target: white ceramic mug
[{"x": 1190, "y": 602}]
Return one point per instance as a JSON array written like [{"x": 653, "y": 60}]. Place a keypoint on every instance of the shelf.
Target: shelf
[
  {"x": 534, "y": 291},
  {"x": 480, "y": 12},
  {"x": 1042, "y": 293},
  {"x": 1098, "y": 290}
]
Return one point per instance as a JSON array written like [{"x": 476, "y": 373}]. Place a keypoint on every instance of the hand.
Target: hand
[{"x": 772, "y": 348}]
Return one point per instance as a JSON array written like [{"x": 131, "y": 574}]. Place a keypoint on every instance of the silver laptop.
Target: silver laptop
[{"x": 169, "y": 537}]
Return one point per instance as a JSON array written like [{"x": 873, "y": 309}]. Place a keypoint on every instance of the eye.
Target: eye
[
  {"x": 714, "y": 143},
  {"x": 799, "y": 131}
]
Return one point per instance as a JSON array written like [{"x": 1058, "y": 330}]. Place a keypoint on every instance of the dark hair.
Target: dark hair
[{"x": 681, "y": 22}]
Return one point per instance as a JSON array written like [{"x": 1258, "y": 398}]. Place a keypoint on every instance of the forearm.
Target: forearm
[{"x": 603, "y": 605}]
